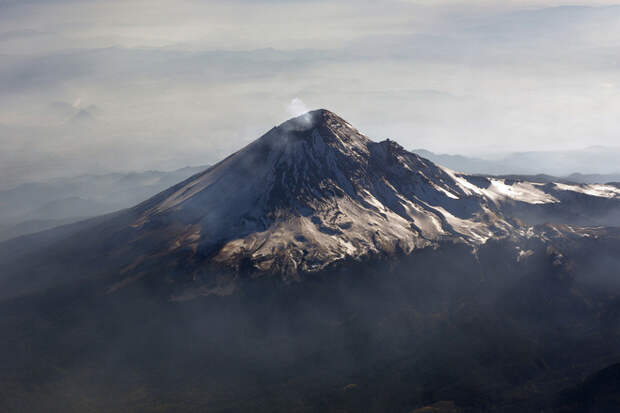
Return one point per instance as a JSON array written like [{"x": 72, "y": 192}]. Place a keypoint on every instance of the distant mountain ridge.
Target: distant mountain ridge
[
  {"x": 594, "y": 165},
  {"x": 36, "y": 206}
]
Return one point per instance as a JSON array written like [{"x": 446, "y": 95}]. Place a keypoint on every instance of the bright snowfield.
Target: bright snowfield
[{"x": 314, "y": 191}]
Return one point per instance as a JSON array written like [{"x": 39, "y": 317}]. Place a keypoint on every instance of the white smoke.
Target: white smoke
[{"x": 297, "y": 108}]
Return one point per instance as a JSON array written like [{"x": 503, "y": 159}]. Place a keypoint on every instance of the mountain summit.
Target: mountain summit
[{"x": 312, "y": 192}]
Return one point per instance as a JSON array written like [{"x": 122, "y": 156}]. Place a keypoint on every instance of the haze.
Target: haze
[{"x": 98, "y": 86}]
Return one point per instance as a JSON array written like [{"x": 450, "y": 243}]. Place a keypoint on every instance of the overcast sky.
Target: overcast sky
[{"x": 105, "y": 85}]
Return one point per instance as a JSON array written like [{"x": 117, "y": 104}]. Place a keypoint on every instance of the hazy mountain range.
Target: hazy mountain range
[
  {"x": 36, "y": 206},
  {"x": 590, "y": 165},
  {"x": 318, "y": 270}
]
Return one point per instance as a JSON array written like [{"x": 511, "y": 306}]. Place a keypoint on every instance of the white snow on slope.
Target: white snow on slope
[
  {"x": 527, "y": 192},
  {"x": 499, "y": 190},
  {"x": 597, "y": 190}
]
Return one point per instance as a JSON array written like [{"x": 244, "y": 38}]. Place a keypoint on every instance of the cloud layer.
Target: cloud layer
[{"x": 139, "y": 85}]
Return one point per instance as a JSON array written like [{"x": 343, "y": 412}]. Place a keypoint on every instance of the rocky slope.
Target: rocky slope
[{"x": 314, "y": 191}]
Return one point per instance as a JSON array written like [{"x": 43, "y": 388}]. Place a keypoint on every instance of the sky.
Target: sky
[{"x": 94, "y": 86}]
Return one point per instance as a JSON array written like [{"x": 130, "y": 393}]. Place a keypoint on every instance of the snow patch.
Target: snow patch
[{"x": 597, "y": 190}]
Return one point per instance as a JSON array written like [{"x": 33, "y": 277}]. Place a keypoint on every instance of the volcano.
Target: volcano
[
  {"x": 313, "y": 192},
  {"x": 309, "y": 195},
  {"x": 318, "y": 270}
]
